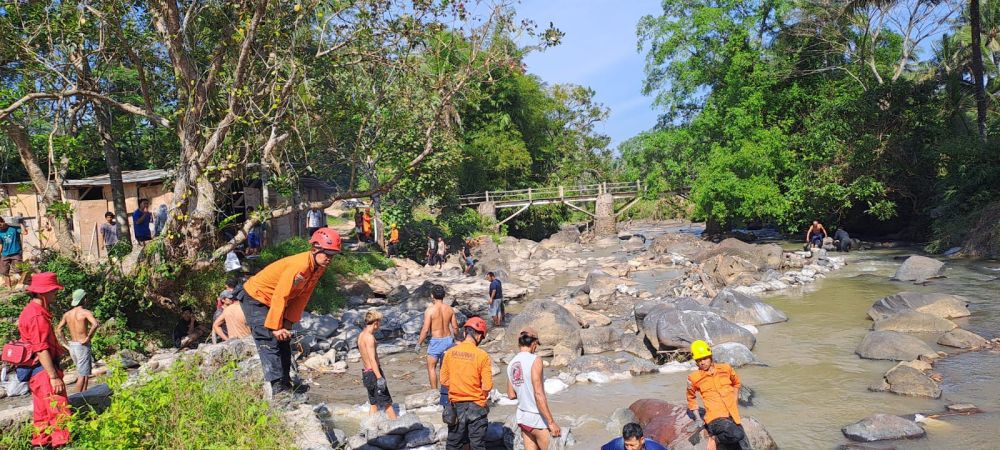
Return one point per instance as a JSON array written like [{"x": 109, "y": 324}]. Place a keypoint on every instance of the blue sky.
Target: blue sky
[{"x": 599, "y": 51}]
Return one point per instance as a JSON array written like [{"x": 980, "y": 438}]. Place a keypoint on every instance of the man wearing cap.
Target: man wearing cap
[
  {"x": 466, "y": 372},
  {"x": 44, "y": 377},
  {"x": 525, "y": 383},
  {"x": 78, "y": 320},
  {"x": 273, "y": 300},
  {"x": 719, "y": 387}
]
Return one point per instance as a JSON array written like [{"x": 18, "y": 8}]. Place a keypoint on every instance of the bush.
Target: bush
[{"x": 182, "y": 408}]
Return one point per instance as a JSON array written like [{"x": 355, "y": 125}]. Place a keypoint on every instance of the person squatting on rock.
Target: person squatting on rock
[
  {"x": 526, "y": 384},
  {"x": 466, "y": 373},
  {"x": 372, "y": 376},
  {"x": 77, "y": 320},
  {"x": 632, "y": 439},
  {"x": 719, "y": 387},
  {"x": 440, "y": 321},
  {"x": 273, "y": 300},
  {"x": 44, "y": 377}
]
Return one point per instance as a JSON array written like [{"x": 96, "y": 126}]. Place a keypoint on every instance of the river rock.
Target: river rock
[
  {"x": 945, "y": 306},
  {"x": 667, "y": 327},
  {"x": 726, "y": 269},
  {"x": 614, "y": 363},
  {"x": 682, "y": 244},
  {"x": 734, "y": 354},
  {"x": 881, "y": 427},
  {"x": 321, "y": 325},
  {"x": 892, "y": 346},
  {"x": 421, "y": 399},
  {"x": 741, "y": 308},
  {"x": 765, "y": 256},
  {"x": 307, "y": 430},
  {"x": 908, "y": 380},
  {"x": 919, "y": 268},
  {"x": 669, "y": 425},
  {"x": 963, "y": 339},
  {"x": 601, "y": 285},
  {"x": 555, "y": 325},
  {"x": 587, "y": 318},
  {"x": 11, "y": 419},
  {"x": 911, "y": 321}
]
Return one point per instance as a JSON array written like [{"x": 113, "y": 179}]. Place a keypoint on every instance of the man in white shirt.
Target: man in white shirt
[{"x": 315, "y": 219}]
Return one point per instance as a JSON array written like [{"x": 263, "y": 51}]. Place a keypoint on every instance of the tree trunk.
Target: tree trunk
[
  {"x": 975, "y": 23},
  {"x": 113, "y": 158},
  {"x": 49, "y": 192}
]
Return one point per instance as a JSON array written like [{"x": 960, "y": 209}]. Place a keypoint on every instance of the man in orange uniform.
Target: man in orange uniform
[
  {"x": 466, "y": 372},
  {"x": 719, "y": 387},
  {"x": 366, "y": 224},
  {"x": 273, "y": 300}
]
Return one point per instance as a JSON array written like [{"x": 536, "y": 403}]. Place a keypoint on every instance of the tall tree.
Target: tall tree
[{"x": 976, "y": 29}]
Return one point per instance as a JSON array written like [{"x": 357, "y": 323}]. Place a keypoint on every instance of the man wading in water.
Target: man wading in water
[
  {"x": 815, "y": 234},
  {"x": 440, "y": 321},
  {"x": 719, "y": 387}
]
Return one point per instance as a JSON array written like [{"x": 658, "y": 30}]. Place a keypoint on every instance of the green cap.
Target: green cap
[{"x": 78, "y": 296}]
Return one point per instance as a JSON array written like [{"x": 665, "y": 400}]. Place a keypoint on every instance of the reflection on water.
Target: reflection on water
[{"x": 814, "y": 384}]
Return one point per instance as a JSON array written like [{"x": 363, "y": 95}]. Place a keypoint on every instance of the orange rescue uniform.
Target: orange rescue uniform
[
  {"x": 394, "y": 236},
  {"x": 466, "y": 372},
  {"x": 719, "y": 387},
  {"x": 285, "y": 286}
]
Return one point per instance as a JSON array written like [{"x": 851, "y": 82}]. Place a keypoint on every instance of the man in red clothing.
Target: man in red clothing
[{"x": 48, "y": 393}]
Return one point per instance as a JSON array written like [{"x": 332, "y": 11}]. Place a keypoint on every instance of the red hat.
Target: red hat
[
  {"x": 326, "y": 239},
  {"x": 476, "y": 323},
  {"x": 44, "y": 282}
]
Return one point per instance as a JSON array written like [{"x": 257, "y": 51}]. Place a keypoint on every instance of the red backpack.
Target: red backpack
[{"x": 18, "y": 354}]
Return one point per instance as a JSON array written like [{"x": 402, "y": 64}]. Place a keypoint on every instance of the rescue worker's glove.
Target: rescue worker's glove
[{"x": 696, "y": 416}]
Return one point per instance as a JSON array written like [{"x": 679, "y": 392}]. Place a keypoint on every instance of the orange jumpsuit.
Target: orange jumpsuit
[{"x": 719, "y": 387}]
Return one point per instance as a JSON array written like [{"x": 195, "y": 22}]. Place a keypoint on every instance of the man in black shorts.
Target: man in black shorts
[{"x": 371, "y": 376}]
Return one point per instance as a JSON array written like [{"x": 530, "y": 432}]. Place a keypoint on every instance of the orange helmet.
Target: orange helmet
[
  {"x": 476, "y": 323},
  {"x": 326, "y": 239}
]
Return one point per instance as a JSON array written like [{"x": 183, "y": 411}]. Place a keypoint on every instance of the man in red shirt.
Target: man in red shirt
[{"x": 48, "y": 393}]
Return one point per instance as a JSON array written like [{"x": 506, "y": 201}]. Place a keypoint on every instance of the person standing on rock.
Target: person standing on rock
[
  {"x": 466, "y": 372},
  {"x": 496, "y": 299},
  {"x": 442, "y": 249},
  {"x": 372, "y": 376},
  {"x": 526, "y": 385},
  {"x": 815, "y": 234},
  {"x": 44, "y": 377},
  {"x": 632, "y": 439},
  {"x": 719, "y": 387},
  {"x": 78, "y": 320},
  {"x": 431, "y": 249},
  {"x": 440, "y": 321},
  {"x": 273, "y": 300},
  {"x": 393, "y": 248},
  {"x": 470, "y": 263}
]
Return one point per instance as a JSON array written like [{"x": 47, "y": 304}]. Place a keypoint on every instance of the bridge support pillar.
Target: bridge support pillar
[
  {"x": 604, "y": 215},
  {"x": 488, "y": 210}
]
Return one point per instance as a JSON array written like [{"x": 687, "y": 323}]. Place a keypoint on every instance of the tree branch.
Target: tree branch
[{"x": 156, "y": 119}]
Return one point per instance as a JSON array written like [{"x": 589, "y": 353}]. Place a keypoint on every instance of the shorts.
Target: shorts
[
  {"x": 81, "y": 357},
  {"x": 378, "y": 397},
  {"x": 438, "y": 346},
  {"x": 8, "y": 264},
  {"x": 496, "y": 307},
  {"x": 726, "y": 431},
  {"x": 469, "y": 262}
]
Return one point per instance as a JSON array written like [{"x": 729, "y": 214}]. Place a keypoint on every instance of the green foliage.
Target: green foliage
[
  {"x": 181, "y": 408},
  {"x": 464, "y": 223}
]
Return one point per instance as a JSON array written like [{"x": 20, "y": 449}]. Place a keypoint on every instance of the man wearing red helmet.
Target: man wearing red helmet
[
  {"x": 273, "y": 300},
  {"x": 466, "y": 372}
]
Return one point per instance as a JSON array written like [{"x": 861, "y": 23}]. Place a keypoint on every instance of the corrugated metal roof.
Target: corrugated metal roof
[{"x": 128, "y": 176}]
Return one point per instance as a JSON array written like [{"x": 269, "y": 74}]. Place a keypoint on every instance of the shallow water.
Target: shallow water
[{"x": 814, "y": 384}]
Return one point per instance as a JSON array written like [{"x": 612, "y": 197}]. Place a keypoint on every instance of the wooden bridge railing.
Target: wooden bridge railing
[{"x": 551, "y": 193}]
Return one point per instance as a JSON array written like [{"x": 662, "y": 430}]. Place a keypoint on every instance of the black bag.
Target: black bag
[
  {"x": 449, "y": 415},
  {"x": 726, "y": 431}
]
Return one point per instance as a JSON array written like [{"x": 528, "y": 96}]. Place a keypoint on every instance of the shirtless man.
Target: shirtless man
[
  {"x": 815, "y": 234},
  {"x": 440, "y": 320},
  {"x": 372, "y": 376},
  {"x": 79, "y": 344}
]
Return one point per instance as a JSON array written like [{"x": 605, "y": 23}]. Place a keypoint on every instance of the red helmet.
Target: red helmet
[
  {"x": 476, "y": 323},
  {"x": 326, "y": 239}
]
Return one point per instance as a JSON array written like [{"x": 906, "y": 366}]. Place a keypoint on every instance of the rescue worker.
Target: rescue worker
[
  {"x": 719, "y": 387},
  {"x": 366, "y": 224},
  {"x": 273, "y": 300},
  {"x": 467, "y": 375},
  {"x": 393, "y": 247}
]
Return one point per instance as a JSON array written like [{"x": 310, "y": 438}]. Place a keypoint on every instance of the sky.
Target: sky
[{"x": 599, "y": 51}]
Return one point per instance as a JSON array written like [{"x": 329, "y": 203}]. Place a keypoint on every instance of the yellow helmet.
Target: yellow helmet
[{"x": 700, "y": 349}]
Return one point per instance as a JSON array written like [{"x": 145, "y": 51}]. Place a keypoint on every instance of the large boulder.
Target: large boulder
[
  {"x": 906, "y": 379},
  {"x": 668, "y": 424},
  {"x": 881, "y": 427},
  {"x": 919, "y": 268},
  {"x": 730, "y": 268},
  {"x": 741, "y": 308},
  {"x": 489, "y": 259},
  {"x": 963, "y": 339},
  {"x": 910, "y": 321},
  {"x": 611, "y": 339},
  {"x": 556, "y": 326},
  {"x": 307, "y": 430},
  {"x": 765, "y": 256},
  {"x": 614, "y": 363},
  {"x": 320, "y": 325},
  {"x": 601, "y": 286},
  {"x": 734, "y": 354},
  {"x": 683, "y": 244},
  {"x": 669, "y": 327},
  {"x": 892, "y": 346},
  {"x": 945, "y": 306}
]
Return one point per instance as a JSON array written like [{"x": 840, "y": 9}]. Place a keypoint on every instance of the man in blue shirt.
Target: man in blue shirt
[
  {"x": 632, "y": 439},
  {"x": 10, "y": 255},
  {"x": 141, "y": 219},
  {"x": 496, "y": 299}
]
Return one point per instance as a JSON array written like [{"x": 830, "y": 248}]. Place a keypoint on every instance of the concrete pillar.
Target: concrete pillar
[
  {"x": 488, "y": 210},
  {"x": 604, "y": 216}
]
